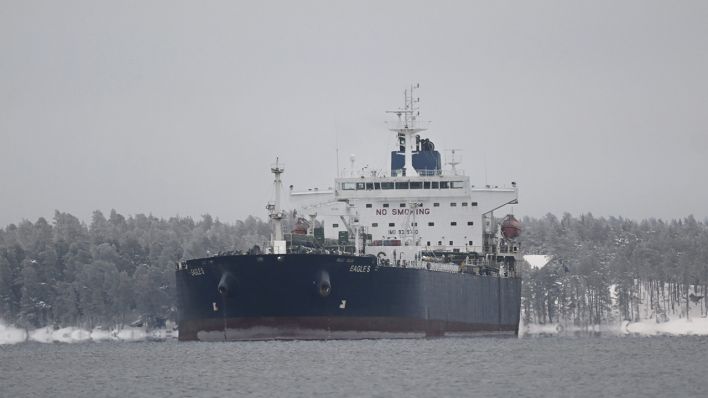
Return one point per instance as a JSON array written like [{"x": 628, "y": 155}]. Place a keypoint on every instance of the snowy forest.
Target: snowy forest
[
  {"x": 611, "y": 270},
  {"x": 119, "y": 271}
]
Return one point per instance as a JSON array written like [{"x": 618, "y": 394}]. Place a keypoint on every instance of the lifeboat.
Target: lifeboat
[{"x": 510, "y": 227}]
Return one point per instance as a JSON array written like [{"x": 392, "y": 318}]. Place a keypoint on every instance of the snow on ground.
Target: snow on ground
[
  {"x": 12, "y": 335},
  {"x": 537, "y": 261},
  {"x": 675, "y": 327},
  {"x": 670, "y": 324},
  {"x": 648, "y": 327}
]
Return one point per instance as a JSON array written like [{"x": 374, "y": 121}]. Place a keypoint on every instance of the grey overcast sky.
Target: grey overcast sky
[{"x": 179, "y": 108}]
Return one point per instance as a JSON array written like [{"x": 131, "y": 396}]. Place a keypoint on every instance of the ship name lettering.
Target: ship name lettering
[
  {"x": 197, "y": 271},
  {"x": 360, "y": 268},
  {"x": 381, "y": 212}
]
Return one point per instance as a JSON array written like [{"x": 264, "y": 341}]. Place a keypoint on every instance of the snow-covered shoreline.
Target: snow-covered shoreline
[
  {"x": 13, "y": 335},
  {"x": 697, "y": 326}
]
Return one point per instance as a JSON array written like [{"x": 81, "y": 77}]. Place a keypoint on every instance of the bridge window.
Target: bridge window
[
  {"x": 386, "y": 185},
  {"x": 435, "y": 185},
  {"x": 426, "y": 185},
  {"x": 402, "y": 185},
  {"x": 444, "y": 184},
  {"x": 416, "y": 184},
  {"x": 360, "y": 185},
  {"x": 377, "y": 185},
  {"x": 369, "y": 186},
  {"x": 457, "y": 184},
  {"x": 348, "y": 186}
]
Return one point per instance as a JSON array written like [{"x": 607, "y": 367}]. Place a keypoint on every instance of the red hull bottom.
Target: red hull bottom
[{"x": 330, "y": 328}]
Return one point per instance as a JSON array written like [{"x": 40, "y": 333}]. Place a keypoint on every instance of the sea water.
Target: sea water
[{"x": 445, "y": 367}]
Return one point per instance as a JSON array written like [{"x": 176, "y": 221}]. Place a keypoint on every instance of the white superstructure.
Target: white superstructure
[{"x": 412, "y": 215}]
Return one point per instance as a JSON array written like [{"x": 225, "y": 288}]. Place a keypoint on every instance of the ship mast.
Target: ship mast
[
  {"x": 276, "y": 215},
  {"x": 408, "y": 126}
]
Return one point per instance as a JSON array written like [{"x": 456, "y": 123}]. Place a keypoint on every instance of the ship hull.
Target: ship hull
[{"x": 300, "y": 296}]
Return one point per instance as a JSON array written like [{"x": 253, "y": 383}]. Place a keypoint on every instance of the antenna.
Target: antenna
[
  {"x": 453, "y": 162},
  {"x": 486, "y": 184}
]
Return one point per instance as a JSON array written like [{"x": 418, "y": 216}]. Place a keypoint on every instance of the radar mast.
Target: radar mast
[{"x": 408, "y": 126}]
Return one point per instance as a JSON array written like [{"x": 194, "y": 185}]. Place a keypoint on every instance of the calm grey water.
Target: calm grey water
[{"x": 530, "y": 367}]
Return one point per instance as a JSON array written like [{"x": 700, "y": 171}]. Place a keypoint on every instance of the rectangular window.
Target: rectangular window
[
  {"x": 385, "y": 205},
  {"x": 453, "y": 223},
  {"x": 444, "y": 184},
  {"x": 416, "y": 185},
  {"x": 453, "y": 204},
  {"x": 335, "y": 225},
  {"x": 469, "y": 243},
  {"x": 360, "y": 185},
  {"x": 415, "y": 224},
  {"x": 348, "y": 186},
  {"x": 450, "y": 243},
  {"x": 470, "y": 222},
  {"x": 436, "y": 204},
  {"x": 428, "y": 243},
  {"x": 377, "y": 185},
  {"x": 439, "y": 243},
  {"x": 402, "y": 185},
  {"x": 386, "y": 185},
  {"x": 375, "y": 224},
  {"x": 464, "y": 204},
  {"x": 368, "y": 205},
  {"x": 435, "y": 185},
  {"x": 402, "y": 205},
  {"x": 369, "y": 186},
  {"x": 457, "y": 184},
  {"x": 431, "y": 224},
  {"x": 426, "y": 185},
  {"x": 391, "y": 224},
  {"x": 474, "y": 203}
]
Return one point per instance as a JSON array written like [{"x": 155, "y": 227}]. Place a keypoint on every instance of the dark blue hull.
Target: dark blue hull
[{"x": 305, "y": 296}]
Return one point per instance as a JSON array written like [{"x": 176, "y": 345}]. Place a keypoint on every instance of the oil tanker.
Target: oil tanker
[{"x": 411, "y": 251}]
